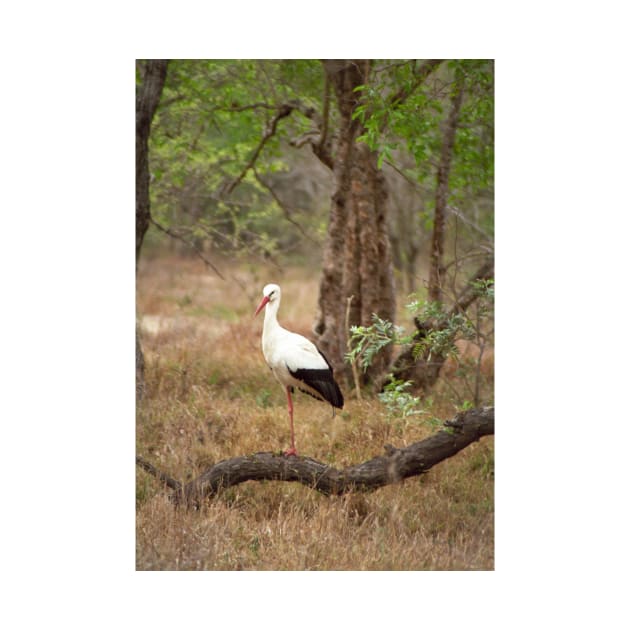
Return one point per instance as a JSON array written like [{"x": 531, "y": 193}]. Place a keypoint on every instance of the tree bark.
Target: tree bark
[
  {"x": 153, "y": 76},
  {"x": 436, "y": 271},
  {"x": 397, "y": 464},
  {"x": 357, "y": 256},
  {"x": 139, "y": 367}
]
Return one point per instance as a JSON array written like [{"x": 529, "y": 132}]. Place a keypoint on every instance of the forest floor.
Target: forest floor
[{"x": 209, "y": 396}]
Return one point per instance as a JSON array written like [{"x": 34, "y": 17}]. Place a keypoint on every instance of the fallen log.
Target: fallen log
[{"x": 397, "y": 464}]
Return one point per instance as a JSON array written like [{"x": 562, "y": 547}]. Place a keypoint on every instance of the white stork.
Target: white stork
[{"x": 294, "y": 360}]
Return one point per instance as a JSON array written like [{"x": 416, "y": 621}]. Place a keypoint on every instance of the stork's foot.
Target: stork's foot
[{"x": 291, "y": 451}]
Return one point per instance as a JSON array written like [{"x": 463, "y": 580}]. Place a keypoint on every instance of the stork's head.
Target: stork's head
[{"x": 271, "y": 293}]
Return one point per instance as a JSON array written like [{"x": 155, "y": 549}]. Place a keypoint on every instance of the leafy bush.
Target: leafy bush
[{"x": 435, "y": 340}]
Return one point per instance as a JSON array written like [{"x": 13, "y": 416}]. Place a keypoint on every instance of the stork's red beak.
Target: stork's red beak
[{"x": 263, "y": 302}]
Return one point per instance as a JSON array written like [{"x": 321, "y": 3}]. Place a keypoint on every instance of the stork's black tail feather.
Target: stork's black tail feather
[{"x": 323, "y": 382}]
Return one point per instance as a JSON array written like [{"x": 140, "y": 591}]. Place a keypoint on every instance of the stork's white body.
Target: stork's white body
[
  {"x": 294, "y": 360},
  {"x": 287, "y": 352}
]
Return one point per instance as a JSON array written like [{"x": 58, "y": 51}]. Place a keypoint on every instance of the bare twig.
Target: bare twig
[
  {"x": 283, "y": 112},
  {"x": 171, "y": 483},
  {"x": 325, "y": 114},
  {"x": 197, "y": 251},
  {"x": 389, "y": 66},
  {"x": 271, "y": 85},
  {"x": 282, "y": 206},
  {"x": 468, "y": 295},
  {"x": 455, "y": 212},
  {"x": 355, "y": 372},
  {"x": 482, "y": 347},
  {"x": 472, "y": 255},
  {"x": 213, "y": 232},
  {"x": 169, "y": 101},
  {"x": 421, "y": 74},
  {"x": 406, "y": 177},
  {"x": 235, "y": 107}
]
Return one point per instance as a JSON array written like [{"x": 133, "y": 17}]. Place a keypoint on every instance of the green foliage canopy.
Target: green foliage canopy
[
  {"x": 214, "y": 115},
  {"x": 210, "y": 123},
  {"x": 413, "y": 127}
]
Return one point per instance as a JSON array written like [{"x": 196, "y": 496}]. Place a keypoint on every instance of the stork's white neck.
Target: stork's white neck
[{"x": 271, "y": 316}]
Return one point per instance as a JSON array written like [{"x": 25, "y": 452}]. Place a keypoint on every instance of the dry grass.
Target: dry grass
[{"x": 210, "y": 397}]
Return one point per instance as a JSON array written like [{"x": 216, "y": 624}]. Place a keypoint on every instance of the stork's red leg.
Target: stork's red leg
[{"x": 292, "y": 450}]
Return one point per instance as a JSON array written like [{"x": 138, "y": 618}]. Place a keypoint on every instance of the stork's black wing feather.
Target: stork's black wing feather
[
  {"x": 323, "y": 382},
  {"x": 325, "y": 359}
]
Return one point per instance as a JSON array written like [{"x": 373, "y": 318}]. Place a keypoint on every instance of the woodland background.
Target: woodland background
[{"x": 364, "y": 188}]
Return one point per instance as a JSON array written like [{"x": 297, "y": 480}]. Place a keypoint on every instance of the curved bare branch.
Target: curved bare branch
[
  {"x": 270, "y": 130},
  {"x": 190, "y": 244},
  {"x": 283, "y": 207},
  {"x": 397, "y": 464},
  {"x": 420, "y": 76}
]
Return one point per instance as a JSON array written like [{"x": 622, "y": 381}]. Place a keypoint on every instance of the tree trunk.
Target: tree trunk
[
  {"x": 153, "y": 75},
  {"x": 357, "y": 259},
  {"x": 424, "y": 369},
  {"x": 436, "y": 272}
]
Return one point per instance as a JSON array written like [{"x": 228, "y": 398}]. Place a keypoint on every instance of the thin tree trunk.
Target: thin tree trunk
[
  {"x": 436, "y": 272},
  {"x": 424, "y": 369},
  {"x": 153, "y": 76}
]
